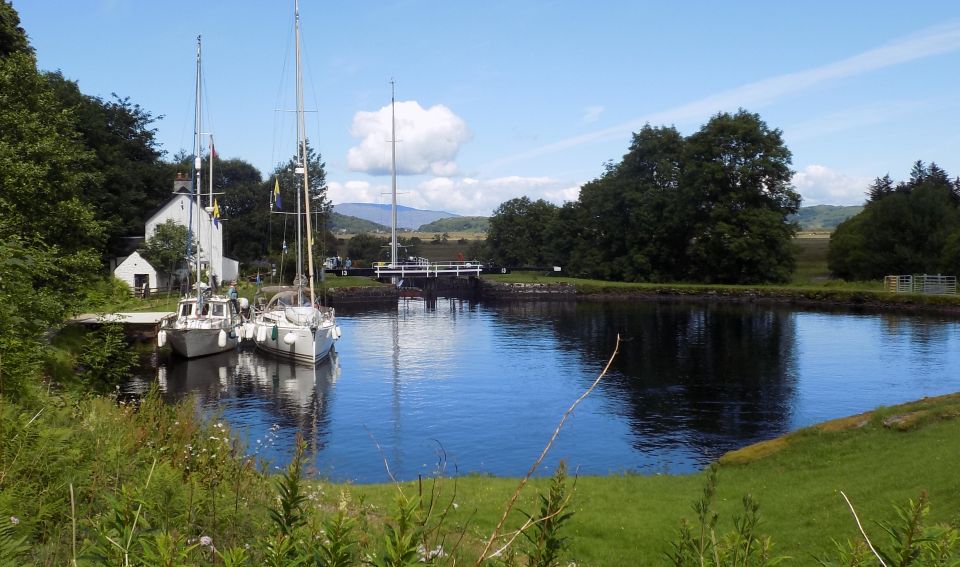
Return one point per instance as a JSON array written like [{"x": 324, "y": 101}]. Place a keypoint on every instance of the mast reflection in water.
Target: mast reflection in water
[{"x": 485, "y": 384}]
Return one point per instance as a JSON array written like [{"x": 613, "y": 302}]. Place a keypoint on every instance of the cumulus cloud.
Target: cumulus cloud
[
  {"x": 461, "y": 195},
  {"x": 821, "y": 185},
  {"x": 428, "y": 140}
]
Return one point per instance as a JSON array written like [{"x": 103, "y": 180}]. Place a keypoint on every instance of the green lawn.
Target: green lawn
[{"x": 629, "y": 519}]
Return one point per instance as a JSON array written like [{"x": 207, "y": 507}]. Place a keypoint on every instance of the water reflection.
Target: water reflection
[
  {"x": 707, "y": 377},
  {"x": 487, "y": 383}
]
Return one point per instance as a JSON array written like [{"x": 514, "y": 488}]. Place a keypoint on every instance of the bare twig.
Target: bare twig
[
  {"x": 863, "y": 533},
  {"x": 543, "y": 454},
  {"x": 383, "y": 456},
  {"x": 73, "y": 520}
]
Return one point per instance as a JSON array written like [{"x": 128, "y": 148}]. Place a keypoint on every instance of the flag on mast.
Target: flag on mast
[
  {"x": 276, "y": 192},
  {"x": 216, "y": 214}
]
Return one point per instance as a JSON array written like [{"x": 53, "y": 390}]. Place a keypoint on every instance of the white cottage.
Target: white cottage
[
  {"x": 140, "y": 275},
  {"x": 209, "y": 237}
]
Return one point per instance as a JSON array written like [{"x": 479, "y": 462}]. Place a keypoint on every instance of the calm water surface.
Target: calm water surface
[{"x": 481, "y": 387}]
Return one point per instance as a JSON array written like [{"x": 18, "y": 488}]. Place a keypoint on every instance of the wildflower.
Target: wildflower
[
  {"x": 206, "y": 541},
  {"x": 14, "y": 520}
]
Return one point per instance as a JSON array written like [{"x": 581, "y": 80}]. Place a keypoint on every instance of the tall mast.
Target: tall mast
[
  {"x": 302, "y": 169},
  {"x": 197, "y": 167},
  {"x": 393, "y": 170},
  {"x": 210, "y": 273}
]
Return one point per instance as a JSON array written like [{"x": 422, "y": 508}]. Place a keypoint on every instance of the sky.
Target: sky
[{"x": 503, "y": 99}]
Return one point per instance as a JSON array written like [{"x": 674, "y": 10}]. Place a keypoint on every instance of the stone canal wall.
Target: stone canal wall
[{"x": 501, "y": 290}]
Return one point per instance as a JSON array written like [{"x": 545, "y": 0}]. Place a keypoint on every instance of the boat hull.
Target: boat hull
[
  {"x": 309, "y": 346},
  {"x": 191, "y": 343}
]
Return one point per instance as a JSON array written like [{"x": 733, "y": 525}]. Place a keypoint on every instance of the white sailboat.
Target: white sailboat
[
  {"x": 204, "y": 323},
  {"x": 292, "y": 325}
]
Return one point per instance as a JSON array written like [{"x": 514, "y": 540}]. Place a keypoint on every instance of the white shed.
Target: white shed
[{"x": 136, "y": 272}]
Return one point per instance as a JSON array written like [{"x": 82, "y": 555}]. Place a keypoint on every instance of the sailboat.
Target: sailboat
[
  {"x": 292, "y": 324},
  {"x": 204, "y": 323}
]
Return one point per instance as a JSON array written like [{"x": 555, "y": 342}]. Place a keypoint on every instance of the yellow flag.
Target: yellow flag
[
  {"x": 216, "y": 213},
  {"x": 276, "y": 192}
]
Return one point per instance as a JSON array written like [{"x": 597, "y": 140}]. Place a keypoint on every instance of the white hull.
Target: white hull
[
  {"x": 192, "y": 343},
  {"x": 303, "y": 335},
  {"x": 192, "y": 334}
]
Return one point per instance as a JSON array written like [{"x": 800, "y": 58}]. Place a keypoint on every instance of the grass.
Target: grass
[
  {"x": 192, "y": 480},
  {"x": 796, "y": 480}
]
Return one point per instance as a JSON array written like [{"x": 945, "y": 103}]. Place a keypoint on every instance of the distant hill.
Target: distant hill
[
  {"x": 824, "y": 217},
  {"x": 354, "y": 225},
  {"x": 407, "y": 217},
  {"x": 458, "y": 224}
]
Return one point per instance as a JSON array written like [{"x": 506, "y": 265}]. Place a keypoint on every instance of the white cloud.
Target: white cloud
[
  {"x": 820, "y": 185},
  {"x": 591, "y": 114},
  {"x": 461, "y": 195},
  {"x": 428, "y": 140},
  {"x": 926, "y": 43}
]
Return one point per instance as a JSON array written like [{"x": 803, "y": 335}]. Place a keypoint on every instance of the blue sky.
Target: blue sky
[{"x": 500, "y": 99}]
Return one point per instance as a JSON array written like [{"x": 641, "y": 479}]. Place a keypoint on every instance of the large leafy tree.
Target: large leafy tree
[
  {"x": 518, "y": 232},
  {"x": 736, "y": 183},
  {"x": 48, "y": 235},
  {"x": 132, "y": 179},
  {"x": 709, "y": 207},
  {"x": 167, "y": 247},
  {"x": 911, "y": 228}
]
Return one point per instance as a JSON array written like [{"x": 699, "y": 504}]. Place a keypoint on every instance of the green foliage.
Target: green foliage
[
  {"x": 131, "y": 178},
  {"x": 13, "y": 542},
  {"x": 910, "y": 541},
  {"x": 338, "y": 549},
  {"x": 457, "y": 224},
  {"x": 547, "y": 545},
  {"x": 105, "y": 358},
  {"x": 402, "y": 534},
  {"x": 367, "y": 248},
  {"x": 912, "y": 228},
  {"x": 166, "y": 249},
  {"x": 12, "y": 37},
  {"x": 699, "y": 545},
  {"x": 711, "y": 207},
  {"x": 289, "y": 515},
  {"x": 518, "y": 235}
]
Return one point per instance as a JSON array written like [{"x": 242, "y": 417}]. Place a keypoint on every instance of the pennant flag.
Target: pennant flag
[
  {"x": 216, "y": 214},
  {"x": 276, "y": 192}
]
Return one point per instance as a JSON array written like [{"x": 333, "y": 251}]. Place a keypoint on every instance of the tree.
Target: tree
[
  {"x": 166, "y": 248},
  {"x": 881, "y": 187},
  {"x": 12, "y": 37},
  {"x": 910, "y": 230},
  {"x": 367, "y": 248},
  {"x": 710, "y": 207},
  {"x": 132, "y": 179},
  {"x": 48, "y": 235},
  {"x": 738, "y": 173},
  {"x": 518, "y": 235}
]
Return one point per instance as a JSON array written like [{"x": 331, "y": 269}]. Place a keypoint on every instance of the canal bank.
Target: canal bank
[{"x": 573, "y": 289}]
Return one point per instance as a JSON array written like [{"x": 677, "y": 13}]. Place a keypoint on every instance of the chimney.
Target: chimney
[{"x": 182, "y": 183}]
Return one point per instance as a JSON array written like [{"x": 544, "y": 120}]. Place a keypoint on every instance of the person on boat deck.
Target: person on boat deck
[{"x": 233, "y": 295}]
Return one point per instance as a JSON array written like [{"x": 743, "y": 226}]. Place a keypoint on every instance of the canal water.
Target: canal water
[{"x": 471, "y": 387}]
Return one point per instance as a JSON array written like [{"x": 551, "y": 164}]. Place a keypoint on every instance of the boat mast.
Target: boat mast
[
  {"x": 197, "y": 170},
  {"x": 302, "y": 170},
  {"x": 210, "y": 273},
  {"x": 393, "y": 170}
]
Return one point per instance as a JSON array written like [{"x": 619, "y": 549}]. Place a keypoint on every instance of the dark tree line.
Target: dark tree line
[
  {"x": 910, "y": 227},
  {"x": 709, "y": 207}
]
